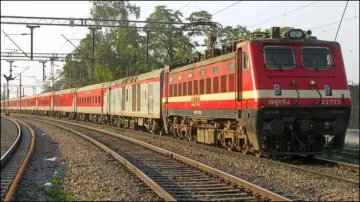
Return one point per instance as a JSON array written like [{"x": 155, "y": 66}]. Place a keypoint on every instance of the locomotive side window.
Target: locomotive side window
[
  {"x": 245, "y": 60},
  {"x": 279, "y": 58},
  {"x": 99, "y": 99},
  {"x": 223, "y": 83},
  {"x": 179, "y": 89},
  {"x": 316, "y": 57},
  {"x": 190, "y": 88},
  {"x": 171, "y": 90},
  {"x": 216, "y": 84},
  {"x": 208, "y": 86},
  {"x": 184, "y": 89},
  {"x": 231, "y": 82},
  {"x": 175, "y": 90},
  {"x": 231, "y": 66},
  {"x": 196, "y": 87},
  {"x": 202, "y": 86}
]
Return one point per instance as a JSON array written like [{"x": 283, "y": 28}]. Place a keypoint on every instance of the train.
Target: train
[{"x": 276, "y": 94}]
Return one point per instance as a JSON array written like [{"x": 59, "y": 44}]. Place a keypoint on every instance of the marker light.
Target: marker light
[
  {"x": 296, "y": 33},
  {"x": 277, "y": 89},
  {"x": 327, "y": 88},
  {"x": 312, "y": 83}
]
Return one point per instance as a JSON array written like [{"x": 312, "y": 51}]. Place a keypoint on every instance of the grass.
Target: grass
[{"x": 56, "y": 191}]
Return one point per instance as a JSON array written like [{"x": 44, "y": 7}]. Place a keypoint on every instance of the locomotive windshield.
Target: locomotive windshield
[
  {"x": 279, "y": 58},
  {"x": 316, "y": 58}
]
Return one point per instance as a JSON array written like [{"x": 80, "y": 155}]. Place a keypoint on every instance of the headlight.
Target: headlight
[
  {"x": 327, "y": 88},
  {"x": 277, "y": 89},
  {"x": 296, "y": 33}
]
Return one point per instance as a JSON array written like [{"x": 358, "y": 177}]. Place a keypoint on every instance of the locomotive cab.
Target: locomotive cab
[{"x": 293, "y": 93}]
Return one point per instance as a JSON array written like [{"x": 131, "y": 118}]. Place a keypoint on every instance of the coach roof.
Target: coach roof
[{"x": 95, "y": 86}]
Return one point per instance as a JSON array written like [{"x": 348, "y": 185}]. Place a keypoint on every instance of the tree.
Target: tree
[
  {"x": 228, "y": 35},
  {"x": 167, "y": 45}
]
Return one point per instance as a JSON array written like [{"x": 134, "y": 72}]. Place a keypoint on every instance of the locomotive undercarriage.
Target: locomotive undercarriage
[{"x": 230, "y": 134}]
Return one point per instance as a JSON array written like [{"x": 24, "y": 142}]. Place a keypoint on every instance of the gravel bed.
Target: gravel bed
[
  {"x": 86, "y": 172},
  {"x": 9, "y": 132},
  {"x": 306, "y": 186}
]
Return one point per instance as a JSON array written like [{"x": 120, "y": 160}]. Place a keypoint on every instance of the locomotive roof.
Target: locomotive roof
[
  {"x": 140, "y": 77},
  {"x": 95, "y": 86},
  {"x": 205, "y": 62}
]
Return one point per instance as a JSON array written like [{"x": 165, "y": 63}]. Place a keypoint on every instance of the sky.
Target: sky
[{"x": 253, "y": 14}]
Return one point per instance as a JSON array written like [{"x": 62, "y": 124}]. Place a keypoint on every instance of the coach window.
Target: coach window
[
  {"x": 216, "y": 84},
  {"x": 208, "y": 86},
  {"x": 196, "y": 87},
  {"x": 99, "y": 99},
  {"x": 179, "y": 89},
  {"x": 190, "y": 88},
  {"x": 223, "y": 83},
  {"x": 184, "y": 89},
  {"x": 171, "y": 90},
  {"x": 127, "y": 95},
  {"x": 245, "y": 60},
  {"x": 231, "y": 82},
  {"x": 175, "y": 90}
]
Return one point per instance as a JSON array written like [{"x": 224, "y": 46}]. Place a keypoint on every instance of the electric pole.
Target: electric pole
[
  {"x": 8, "y": 78},
  {"x": 93, "y": 29},
  {"x": 43, "y": 62},
  {"x": 32, "y": 27},
  {"x": 52, "y": 72},
  {"x": 20, "y": 92}
]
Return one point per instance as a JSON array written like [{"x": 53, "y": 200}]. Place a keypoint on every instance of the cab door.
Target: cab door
[{"x": 239, "y": 80}]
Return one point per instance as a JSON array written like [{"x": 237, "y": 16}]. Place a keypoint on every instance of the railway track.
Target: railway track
[
  {"x": 14, "y": 161},
  {"x": 331, "y": 169},
  {"x": 335, "y": 170},
  {"x": 172, "y": 176}
]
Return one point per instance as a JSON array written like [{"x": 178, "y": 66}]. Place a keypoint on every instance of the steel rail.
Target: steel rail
[
  {"x": 19, "y": 173},
  {"x": 154, "y": 186},
  {"x": 254, "y": 189},
  {"x": 6, "y": 156}
]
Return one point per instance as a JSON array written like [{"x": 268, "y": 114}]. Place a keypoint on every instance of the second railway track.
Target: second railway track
[
  {"x": 172, "y": 176},
  {"x": 14, "y": 160}
]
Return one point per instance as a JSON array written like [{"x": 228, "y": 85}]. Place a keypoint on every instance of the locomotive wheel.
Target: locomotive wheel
[
  {"x": 257, "y": 154},
  {"x": 245, "y": 151},
  {"x": 310, "y": 156}
]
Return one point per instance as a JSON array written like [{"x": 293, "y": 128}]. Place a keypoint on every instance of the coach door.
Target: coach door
[{"x": 150, "y": 98}]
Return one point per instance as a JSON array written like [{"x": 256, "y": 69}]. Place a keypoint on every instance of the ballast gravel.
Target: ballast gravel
[
  {"x": 87, "y": 172},
  {"x": 305, "y": 186}
]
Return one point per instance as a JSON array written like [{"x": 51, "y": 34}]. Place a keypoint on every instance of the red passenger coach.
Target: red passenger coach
[
  {"x": 64, "y": 103},
  {"x": 44, "y": 103},
  {"x": 90, "y": 101}
]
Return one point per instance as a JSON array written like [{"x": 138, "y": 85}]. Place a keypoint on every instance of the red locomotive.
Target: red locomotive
[{"x": 277, "y": 94}]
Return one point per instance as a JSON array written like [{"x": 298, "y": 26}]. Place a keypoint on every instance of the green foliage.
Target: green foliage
[
  {"x": 167, "y": 44},
  {"x": 56, "y": 192},
  {"x": 228, "y": 35},
  {"x": 354, "y": 117}
]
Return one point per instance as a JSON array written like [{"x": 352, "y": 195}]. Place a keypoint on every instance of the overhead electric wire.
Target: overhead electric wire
[
  {"x": 226, "y": 8},
  {"x": 283, "y": 14},
  {"x": 333, "y": 23},
  {"x": 14, "y": 43},
  {"x": 185, "y": 6},
  {"x": 341, "y": 20}
]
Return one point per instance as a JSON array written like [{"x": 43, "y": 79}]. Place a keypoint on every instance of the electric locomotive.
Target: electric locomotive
[{"x": 281, "y": 94}]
